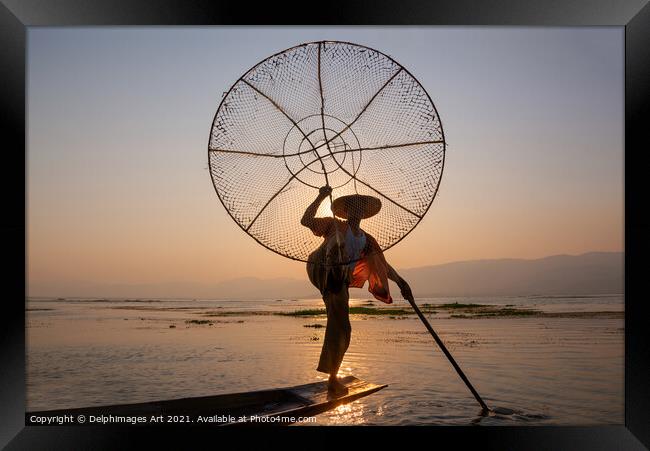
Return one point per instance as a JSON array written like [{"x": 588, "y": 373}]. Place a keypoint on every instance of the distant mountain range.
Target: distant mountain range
[{"x": 591, "y": 273}]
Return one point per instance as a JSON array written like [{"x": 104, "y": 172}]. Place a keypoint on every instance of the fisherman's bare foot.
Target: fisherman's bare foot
[{"x": 335, "y": 387}]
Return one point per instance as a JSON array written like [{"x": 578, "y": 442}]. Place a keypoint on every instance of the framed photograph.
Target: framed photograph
[{"x": 415, "y": 218}]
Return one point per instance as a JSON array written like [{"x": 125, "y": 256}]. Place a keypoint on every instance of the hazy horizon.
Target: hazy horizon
[
  {"x": 591, "y": 273},
  {"x": 118, "y": 190}
]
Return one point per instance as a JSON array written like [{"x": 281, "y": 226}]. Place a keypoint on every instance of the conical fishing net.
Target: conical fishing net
[{"x": 325, "y": 113}]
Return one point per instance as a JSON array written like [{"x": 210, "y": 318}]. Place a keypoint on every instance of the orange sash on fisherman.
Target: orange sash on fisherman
[{"x": 371, "y": 267}]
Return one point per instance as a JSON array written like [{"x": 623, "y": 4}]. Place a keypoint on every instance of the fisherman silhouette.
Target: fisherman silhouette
[{"x": 348, "y": 257}]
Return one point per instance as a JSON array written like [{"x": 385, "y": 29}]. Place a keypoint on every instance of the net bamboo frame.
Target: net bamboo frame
[{"x": 325, "y": 113}]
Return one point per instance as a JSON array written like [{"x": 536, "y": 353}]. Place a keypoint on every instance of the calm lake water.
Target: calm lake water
[{"x": 561, "y": 369}]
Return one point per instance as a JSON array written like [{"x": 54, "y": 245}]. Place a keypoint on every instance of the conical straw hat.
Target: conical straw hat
[{"x": 368, "y": 205}]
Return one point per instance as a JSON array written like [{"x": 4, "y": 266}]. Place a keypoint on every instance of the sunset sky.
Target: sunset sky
[{"x": 118, "y": 190}]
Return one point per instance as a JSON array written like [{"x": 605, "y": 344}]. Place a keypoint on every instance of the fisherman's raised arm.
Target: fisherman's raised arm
[{"x": 309, "y": 217}]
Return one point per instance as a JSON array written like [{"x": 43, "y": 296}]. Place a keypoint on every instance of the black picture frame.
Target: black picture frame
[{"x": 17, "y": 15}]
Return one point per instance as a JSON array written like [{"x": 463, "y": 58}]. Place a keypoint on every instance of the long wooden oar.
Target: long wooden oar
[{"x": 451, "y": 359}]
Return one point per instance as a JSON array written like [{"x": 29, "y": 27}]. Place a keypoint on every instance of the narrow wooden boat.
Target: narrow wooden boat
[{"x": 276, "y": 406}]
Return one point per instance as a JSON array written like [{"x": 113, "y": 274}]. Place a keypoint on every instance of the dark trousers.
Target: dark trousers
[{"x": 337, "y": 333}]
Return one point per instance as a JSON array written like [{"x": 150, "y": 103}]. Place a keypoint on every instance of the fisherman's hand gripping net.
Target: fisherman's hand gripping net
[{"x": 325, "y": 113}]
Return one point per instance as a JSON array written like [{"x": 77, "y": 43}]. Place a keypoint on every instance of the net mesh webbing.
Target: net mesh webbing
[{"x": 325, "y": 113}]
